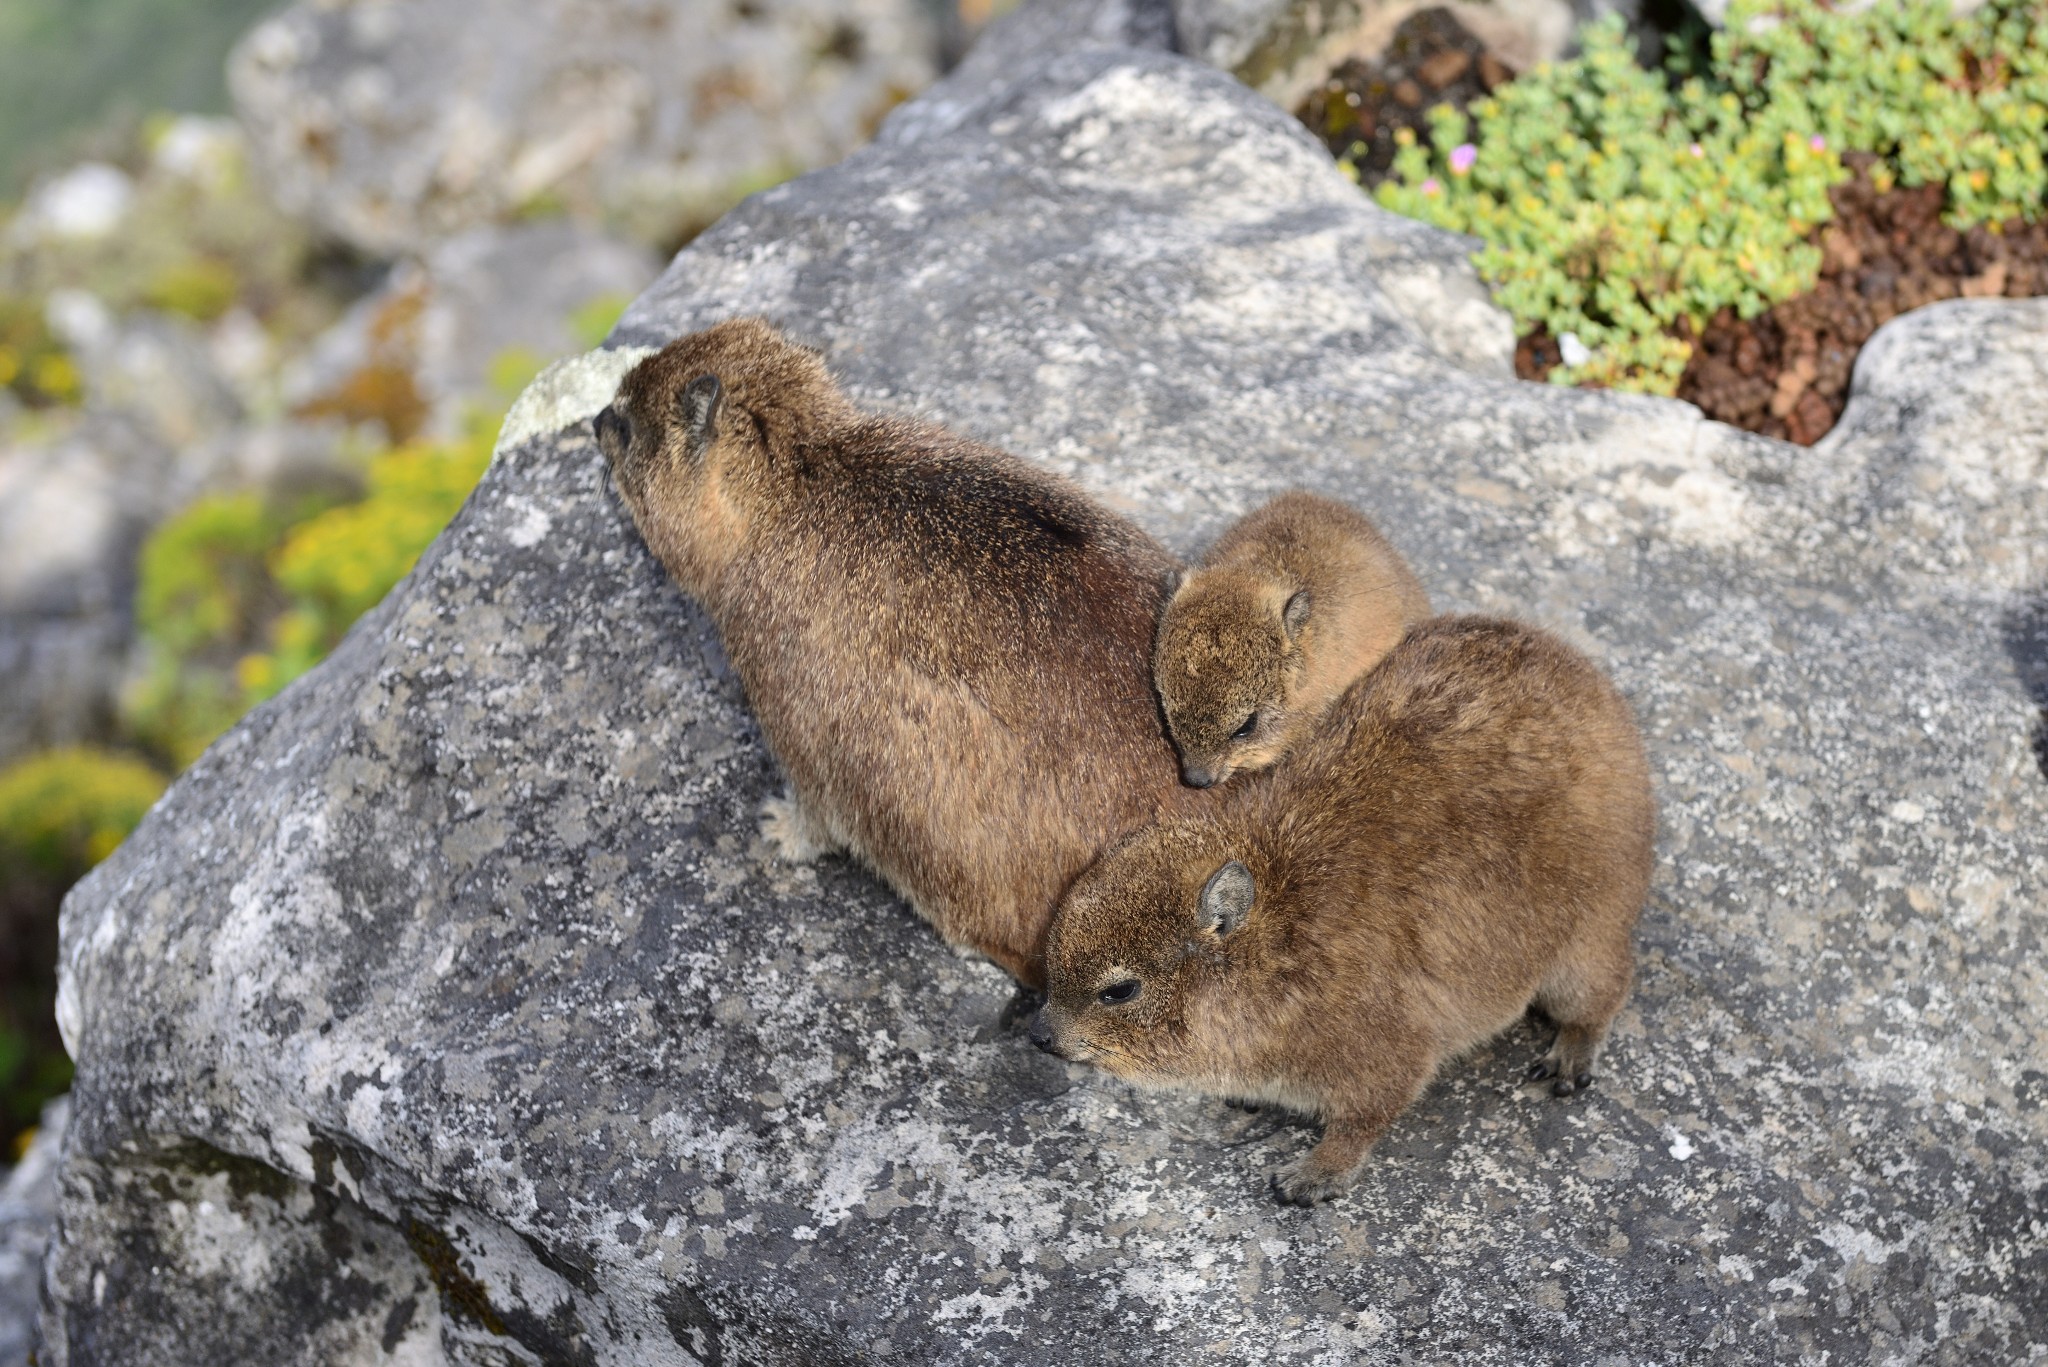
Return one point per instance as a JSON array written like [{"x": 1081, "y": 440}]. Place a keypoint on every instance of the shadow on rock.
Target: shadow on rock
[{"x": 2025, "y": 630}]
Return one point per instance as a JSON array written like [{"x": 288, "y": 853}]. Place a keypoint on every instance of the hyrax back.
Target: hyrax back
[
  {"x": 1290, "y": 606},
  {"x": 947, "y": 648},
  {"x": 1468, "y": 832}
]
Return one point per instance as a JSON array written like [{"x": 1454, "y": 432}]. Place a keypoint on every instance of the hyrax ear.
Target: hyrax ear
[
  {"x": 1226, "y": 898},
  {"x": 697, "y": 409},
  {"x": 1295, "y": 615}
]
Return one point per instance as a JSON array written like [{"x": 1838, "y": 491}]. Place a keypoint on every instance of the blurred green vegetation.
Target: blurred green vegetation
[
  {"x": 214, "y": 242},
  {"x": 61, "y": 812},
  {"x": 34, "y": 366},
  {"x": 235, "y": 600},
  {"x": 236, "y": 596},
  {"x": 70, "y": 67}
]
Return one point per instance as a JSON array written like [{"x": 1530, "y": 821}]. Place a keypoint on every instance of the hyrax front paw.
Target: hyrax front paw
[
  {"x": 1305, "y": 1182},
  {"x": 786, "y": 826}
]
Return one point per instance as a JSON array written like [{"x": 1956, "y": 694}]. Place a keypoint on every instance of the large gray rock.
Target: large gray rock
[
  {"x": 451, "y": 1008},
  {"x": 393, "y": 123}
]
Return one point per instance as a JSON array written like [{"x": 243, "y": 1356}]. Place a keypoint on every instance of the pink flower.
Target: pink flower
[
  {"x": 1817, "y": 143},
  {"x": 1462, "y": 157},
  {"x": 1430, "y": 186},
  {"x": 1698, "y": 150}
]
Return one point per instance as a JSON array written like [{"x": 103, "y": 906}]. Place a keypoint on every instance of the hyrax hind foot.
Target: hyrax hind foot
[
  {"x": 790, "y": 829},
  {"x": 1549, "y": 1067},
  {"x": 1569, "y": 1060}
]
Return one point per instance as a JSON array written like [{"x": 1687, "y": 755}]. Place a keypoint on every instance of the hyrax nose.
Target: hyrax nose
[
  {"x": 1041, "y": 1033},
  {"x": 1197, "y": 777}
]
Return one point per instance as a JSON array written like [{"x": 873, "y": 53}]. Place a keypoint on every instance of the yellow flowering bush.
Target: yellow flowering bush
[{"x": 64, "y": 810}]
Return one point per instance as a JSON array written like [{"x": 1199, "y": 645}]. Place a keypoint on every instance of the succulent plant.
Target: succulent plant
[{"x": 1624, "y": 207}]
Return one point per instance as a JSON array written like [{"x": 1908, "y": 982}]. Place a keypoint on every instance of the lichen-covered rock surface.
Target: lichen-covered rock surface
[{"x": 451, "y": 1009}]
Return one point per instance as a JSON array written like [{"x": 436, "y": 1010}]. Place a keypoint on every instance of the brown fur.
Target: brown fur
[
  {"x": 946, "y": 647},
  {"x": 1287, "y": 610},
  {"x": 1467, "y": 833}
]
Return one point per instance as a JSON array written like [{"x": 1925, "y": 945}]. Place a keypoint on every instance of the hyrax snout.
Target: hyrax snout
[
  {"x": 1466, "y": 833},
  {"x": 948, "y": 649},
  {"x": 1290, "y": 606}
]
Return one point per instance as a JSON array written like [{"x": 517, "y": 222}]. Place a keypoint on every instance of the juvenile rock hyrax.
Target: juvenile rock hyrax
[
  {"x": 1291, "y": 606},
  {"x": 1467, "y": 832},
  {"x": 948, "y": 649}
]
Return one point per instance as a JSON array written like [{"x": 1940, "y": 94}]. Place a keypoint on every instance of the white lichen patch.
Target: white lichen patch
[{"x": 568, "y": 392}]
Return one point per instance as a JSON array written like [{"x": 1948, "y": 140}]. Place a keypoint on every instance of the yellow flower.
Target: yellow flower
[
  {"x": 56, "y": 376},
  {"x": 255, "y": 673}
]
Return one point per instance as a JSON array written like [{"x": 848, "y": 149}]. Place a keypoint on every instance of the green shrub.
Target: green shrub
[
  {"x": 594, "y": 321},
  {"x": 1624, "y": 209},
  {"x": 235, "y": 599},
  {"x": 203, "y": 594},
  {"x": 62, "y": 811},
  {"x": 201, "y": 288},
  {"x": 33, "y": 365},
  {"x": 339, "y": 565}
]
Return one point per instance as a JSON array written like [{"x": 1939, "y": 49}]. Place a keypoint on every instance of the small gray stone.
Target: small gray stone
[{"x": 158, "y": 370}]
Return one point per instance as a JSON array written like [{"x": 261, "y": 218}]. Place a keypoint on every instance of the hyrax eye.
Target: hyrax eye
[
  {"x": 1244, "y": 732},
  {"x": 1117, "y": 993}
]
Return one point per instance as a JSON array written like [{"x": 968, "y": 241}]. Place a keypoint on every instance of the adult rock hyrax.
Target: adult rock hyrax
[
  {"x": 948, "y": 649},
  {"x": 1467, "y": 832},
  {"x": 1290, "y": 606}
]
